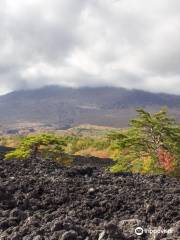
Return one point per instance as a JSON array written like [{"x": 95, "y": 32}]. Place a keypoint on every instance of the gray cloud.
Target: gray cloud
[{"x": 134, "y": 44}]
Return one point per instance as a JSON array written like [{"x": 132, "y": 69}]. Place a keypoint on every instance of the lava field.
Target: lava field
[{"x": 41, "y": 200}]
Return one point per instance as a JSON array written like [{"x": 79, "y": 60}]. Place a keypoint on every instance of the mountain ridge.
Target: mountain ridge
[{"x": 67, "y": 107}]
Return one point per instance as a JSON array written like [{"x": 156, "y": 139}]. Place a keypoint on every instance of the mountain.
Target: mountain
[{"x": 66, "y": 107}]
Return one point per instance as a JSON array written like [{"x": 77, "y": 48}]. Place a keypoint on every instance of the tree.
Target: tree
[
  {"x": 47, "y": 146},
  {"x": 153, "y": 140}
]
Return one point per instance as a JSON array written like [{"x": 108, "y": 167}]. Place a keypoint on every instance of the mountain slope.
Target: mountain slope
[{"x": 65, "y": 107}]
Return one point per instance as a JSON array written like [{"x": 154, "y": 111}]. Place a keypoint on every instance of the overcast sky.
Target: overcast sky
[{"x": 128, "y": 43}]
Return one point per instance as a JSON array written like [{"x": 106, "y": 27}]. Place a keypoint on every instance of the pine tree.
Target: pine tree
[
  {"x": 153, "y": 140},
  {"x": 47, "y": 146}
]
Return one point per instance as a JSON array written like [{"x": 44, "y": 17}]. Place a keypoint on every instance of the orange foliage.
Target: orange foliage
[
  {"x": 165, "y": 159},
  {"x": 94, "y": 152}
]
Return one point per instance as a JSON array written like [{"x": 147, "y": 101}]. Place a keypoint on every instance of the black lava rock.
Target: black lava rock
[{"x": 43, "y": 200}]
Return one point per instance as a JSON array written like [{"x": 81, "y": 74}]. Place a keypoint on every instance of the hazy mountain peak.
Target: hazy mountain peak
[{"x": 64, "y": 106}]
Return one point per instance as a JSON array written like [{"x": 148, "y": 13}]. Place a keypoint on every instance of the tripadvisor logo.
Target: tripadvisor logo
[{"x": 139, "y": 231}]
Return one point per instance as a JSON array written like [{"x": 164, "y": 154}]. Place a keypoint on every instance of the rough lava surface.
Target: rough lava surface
[{"x": 41, "y": 200}]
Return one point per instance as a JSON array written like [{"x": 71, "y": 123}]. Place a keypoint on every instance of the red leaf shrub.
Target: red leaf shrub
[{"x": 166, "y": 159}]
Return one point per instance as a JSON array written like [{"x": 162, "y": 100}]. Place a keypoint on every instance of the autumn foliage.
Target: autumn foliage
[
  {"x": 166, "y": 159},
  {"x": 151, "y": 145}
]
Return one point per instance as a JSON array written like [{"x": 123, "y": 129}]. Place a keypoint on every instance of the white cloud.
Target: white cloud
[{"x": 129, "y": 43}]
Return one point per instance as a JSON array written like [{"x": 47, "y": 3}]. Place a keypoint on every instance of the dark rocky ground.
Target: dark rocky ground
[{"x": 42, "y": 200}]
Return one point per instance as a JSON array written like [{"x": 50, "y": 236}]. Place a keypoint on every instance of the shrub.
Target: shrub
[{"x": 47, "y": 146}]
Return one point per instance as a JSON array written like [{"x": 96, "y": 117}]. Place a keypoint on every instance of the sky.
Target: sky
[{"x": 76, "y": 43}]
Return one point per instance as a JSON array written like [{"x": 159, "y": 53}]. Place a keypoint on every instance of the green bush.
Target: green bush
[{"x": 47, "y": 146}]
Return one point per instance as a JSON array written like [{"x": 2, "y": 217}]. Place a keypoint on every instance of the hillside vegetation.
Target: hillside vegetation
[{"x": 150, "y": 145}]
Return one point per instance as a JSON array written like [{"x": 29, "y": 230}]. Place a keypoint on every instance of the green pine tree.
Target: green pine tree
[{"x": 151, "y": 144}]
